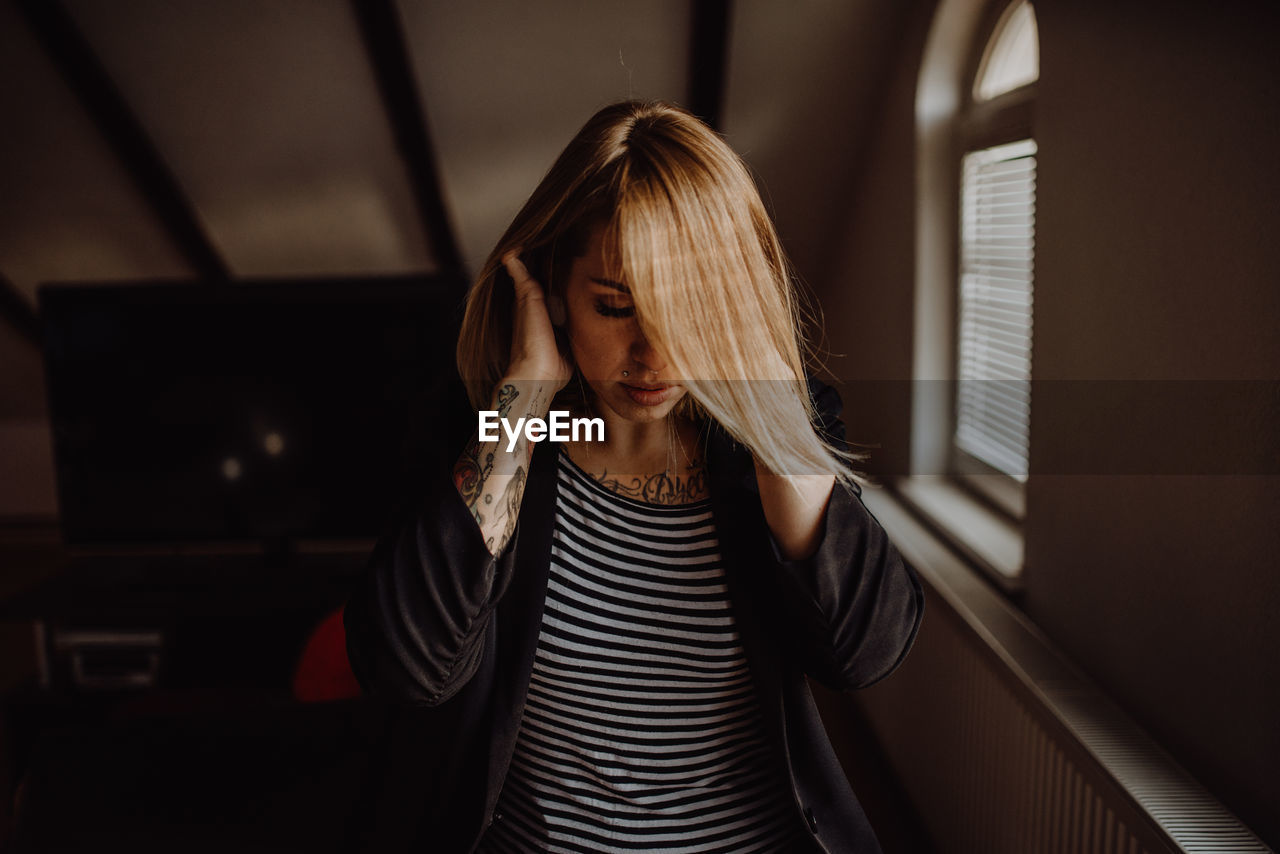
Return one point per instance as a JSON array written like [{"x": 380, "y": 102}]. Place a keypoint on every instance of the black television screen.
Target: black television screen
[{"x": 262, "y": 410}]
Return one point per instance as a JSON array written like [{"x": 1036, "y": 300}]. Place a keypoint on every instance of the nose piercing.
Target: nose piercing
[{"x": 626, "y": 373}]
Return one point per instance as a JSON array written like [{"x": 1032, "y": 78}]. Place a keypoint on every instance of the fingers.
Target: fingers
[
  {"x": 524, "y": 283},
  {"x": 535, "y": 349}
]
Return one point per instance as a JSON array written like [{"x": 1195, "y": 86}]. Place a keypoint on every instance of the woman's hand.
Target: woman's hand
[{"x": 535, "y": 353}]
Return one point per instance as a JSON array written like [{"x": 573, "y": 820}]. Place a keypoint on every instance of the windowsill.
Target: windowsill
[{"x": 985, "y": 538}]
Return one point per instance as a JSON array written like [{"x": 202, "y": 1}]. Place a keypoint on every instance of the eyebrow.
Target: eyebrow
[{"x": 610, "y": 283}]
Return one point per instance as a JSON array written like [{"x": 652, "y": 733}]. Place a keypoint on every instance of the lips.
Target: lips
[{"x": 648, "y": 395}]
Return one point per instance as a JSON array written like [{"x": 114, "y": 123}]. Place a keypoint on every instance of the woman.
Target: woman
[{"x": 612, "y": 637}]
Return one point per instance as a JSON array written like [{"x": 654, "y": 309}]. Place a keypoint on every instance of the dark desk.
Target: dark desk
[
  {"x": 179, "y": 620},
  {"x": 161, "y": 716}
]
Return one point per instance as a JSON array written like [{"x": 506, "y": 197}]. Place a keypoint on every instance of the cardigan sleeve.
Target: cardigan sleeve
[
  {"x": 416, "y": 622},
  {"x": 851, "y": 610}
]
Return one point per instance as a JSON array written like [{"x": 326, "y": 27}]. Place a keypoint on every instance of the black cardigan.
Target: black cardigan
[{"x": 439, "y": 624}]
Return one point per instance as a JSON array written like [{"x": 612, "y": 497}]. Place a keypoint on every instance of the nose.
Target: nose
[{"x": 646, "y": 355}]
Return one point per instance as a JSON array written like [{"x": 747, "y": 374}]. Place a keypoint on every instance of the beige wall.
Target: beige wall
[
  {"x": 1156, "y": 259},
  {"x": 820, "y": 105}
]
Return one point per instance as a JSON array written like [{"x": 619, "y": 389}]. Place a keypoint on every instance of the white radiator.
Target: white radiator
[{"x": 1002, "y": 747}]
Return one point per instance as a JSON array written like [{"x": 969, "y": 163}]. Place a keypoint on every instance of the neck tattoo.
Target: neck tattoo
[{"x": 662, "y": 488}]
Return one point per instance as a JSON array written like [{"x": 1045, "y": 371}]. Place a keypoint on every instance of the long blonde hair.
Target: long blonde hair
[{"x": 689, "y": 235}]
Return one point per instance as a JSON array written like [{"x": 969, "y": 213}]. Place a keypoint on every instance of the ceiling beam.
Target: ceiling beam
[
  {"x": 709, "y": 59},
  {"x": 388, "y": 52},
  {"x": 74, "y": 58}
]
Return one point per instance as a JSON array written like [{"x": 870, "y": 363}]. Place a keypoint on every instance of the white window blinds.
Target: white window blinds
[{"x": 997, "y": 246}]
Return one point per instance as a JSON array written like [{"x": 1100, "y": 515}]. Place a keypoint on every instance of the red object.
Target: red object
[{"x": 323, "y": 672}]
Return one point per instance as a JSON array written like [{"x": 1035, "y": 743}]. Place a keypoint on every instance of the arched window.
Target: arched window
[
  {"x": 1011, "y": 58},
  {"x": 996, "y": 260},
  {"x": 975, "y": 275}
]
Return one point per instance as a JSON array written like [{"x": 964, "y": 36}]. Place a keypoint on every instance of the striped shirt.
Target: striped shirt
[{"x": 641, "y": 730}]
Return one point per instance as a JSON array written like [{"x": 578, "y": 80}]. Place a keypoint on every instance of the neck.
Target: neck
[
  {"x": 629, "y": 440},
  {"x": 658, "y": 463},
  {"x": 669, "y": 445}
]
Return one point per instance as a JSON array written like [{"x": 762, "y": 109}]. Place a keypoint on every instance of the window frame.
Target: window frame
[
  {"x": 946, "y": 494},
  {"x": 979, "y": 124}
]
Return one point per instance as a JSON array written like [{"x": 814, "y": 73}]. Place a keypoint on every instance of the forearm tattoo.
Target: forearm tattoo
[
  {"x": 507, "y": 396},
  {"x": 511, "y": 498},
  {"x": 480, "y": 473},
  {"x": 469, "y": 475}
]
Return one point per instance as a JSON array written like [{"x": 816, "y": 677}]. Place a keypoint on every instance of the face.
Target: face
[{"x": 630, "y": 378}]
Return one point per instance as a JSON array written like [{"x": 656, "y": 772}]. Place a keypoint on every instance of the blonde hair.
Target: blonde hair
[{"x": 686, "y": 230}]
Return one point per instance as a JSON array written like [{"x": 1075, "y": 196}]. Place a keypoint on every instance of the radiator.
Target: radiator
[{"x": 1002, "y": 747}]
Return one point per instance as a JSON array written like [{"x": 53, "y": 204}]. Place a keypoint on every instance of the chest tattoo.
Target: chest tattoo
[{"x": 662, "y": 488}]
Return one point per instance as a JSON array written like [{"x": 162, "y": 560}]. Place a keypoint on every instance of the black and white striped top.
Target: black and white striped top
[{"x": 641, "y": 731}]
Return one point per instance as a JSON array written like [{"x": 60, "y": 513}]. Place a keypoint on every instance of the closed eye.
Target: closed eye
[{"x": 606, "y": 310}]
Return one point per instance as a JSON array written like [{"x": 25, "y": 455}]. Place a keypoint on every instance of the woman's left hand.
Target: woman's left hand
[{"x": 535, "y": 352}]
